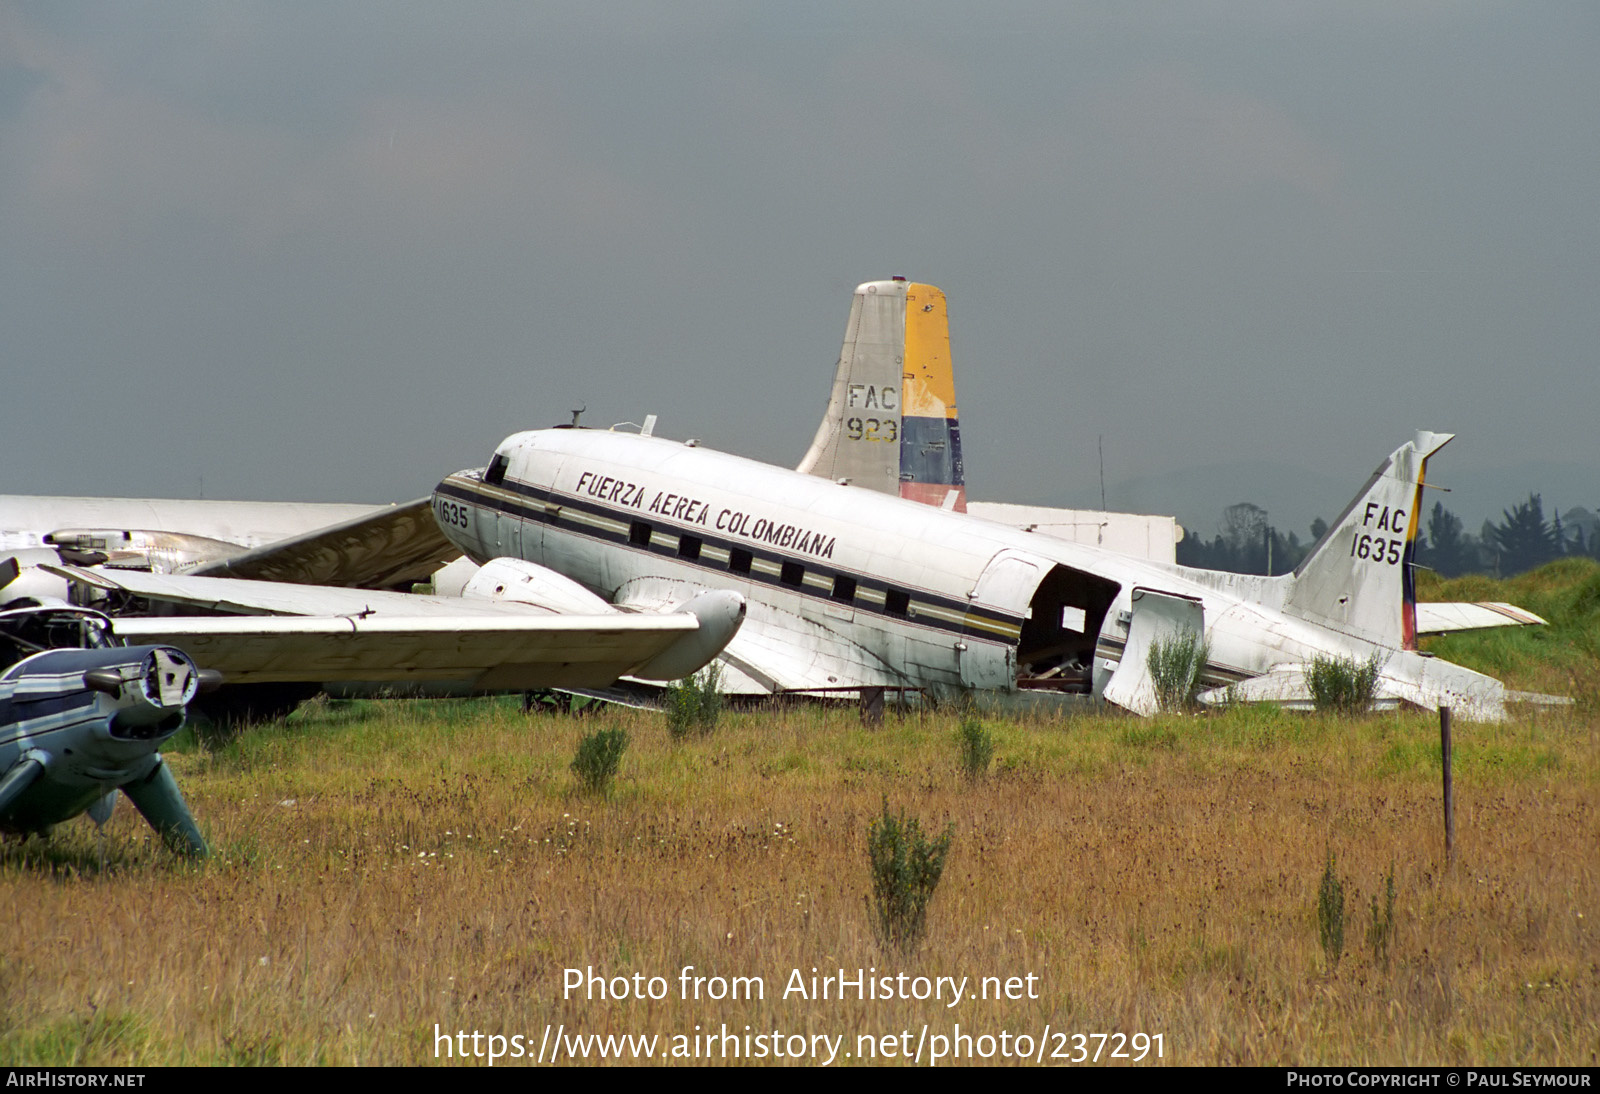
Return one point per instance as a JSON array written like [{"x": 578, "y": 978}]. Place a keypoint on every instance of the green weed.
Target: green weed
[
  {"x": 1174, "y": 664},
  {"x": 1330, "y": 913},
  {"x": 1380, "y": 932},
  {"x": 694, "y": 703},
  {"x": 906, "y": 865},
  {"x": 599, "y": 756},
  {"x": 99, "y": 1038},
  {"x": 1342, "y": 685},
  {"x": 977, "y": 748}
]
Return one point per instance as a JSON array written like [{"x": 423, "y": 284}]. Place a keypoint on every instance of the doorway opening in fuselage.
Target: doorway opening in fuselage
[{"x": 1057, "y": 646}]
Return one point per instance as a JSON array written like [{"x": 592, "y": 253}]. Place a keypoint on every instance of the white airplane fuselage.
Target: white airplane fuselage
[{"x": 850, "y": 587}]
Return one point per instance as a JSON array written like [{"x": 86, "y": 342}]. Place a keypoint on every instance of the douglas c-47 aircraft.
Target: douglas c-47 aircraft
[
  {"x": 850, "y": 589},
  {"x": 611, "y": 555}
]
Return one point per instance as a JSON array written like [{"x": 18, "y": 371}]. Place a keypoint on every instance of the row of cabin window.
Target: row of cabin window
[{"x": 895, "y": 601}]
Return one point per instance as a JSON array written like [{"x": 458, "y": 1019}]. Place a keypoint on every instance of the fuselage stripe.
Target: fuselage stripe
[{"x": 586, "y": 518}]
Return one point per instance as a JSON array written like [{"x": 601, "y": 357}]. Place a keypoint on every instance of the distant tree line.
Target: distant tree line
[{"x": 1523, "y": 540}]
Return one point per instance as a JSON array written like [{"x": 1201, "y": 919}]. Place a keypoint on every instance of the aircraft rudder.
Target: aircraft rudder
[{"x": 931, "y": 468}]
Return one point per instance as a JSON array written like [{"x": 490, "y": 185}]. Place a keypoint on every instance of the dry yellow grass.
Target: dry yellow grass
[{"x": 383, "y": 868}]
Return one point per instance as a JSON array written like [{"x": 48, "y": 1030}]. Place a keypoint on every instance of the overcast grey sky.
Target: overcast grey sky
[{"x": 333, "y": 251}]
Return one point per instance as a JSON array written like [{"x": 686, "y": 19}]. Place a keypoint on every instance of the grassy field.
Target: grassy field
[
  {"x": 381, "y": 869},
  {"x": 1562, "y": 658}
]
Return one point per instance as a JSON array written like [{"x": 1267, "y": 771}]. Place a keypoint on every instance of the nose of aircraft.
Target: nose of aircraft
[{"x": 151, "y": 694}]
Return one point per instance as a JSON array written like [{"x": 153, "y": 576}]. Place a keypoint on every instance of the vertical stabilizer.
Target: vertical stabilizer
[
  {"x": 1358, "y": 579},
  {"x": 891, "y": 420}
]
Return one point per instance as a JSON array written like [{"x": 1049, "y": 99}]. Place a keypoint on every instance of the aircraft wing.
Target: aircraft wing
[
  {"x": 391, "y": 546},
  {"x": 506, "y": 654},
  {"x": 1448, "y": 618},
  {"x": 237, "y": 596},
  {"x": 309, "y": 633}
]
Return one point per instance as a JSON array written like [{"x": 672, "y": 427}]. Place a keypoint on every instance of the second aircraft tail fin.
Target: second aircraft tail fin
[{"x": 891, "y": 422}]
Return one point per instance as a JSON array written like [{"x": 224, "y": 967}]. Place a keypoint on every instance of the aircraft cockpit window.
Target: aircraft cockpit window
[{"x": 495, "y": 473}]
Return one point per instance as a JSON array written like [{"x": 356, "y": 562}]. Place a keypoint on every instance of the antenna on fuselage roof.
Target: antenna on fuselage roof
[
  {"x": 645, "y": 430},
  {"x": 575, "y": 413}
]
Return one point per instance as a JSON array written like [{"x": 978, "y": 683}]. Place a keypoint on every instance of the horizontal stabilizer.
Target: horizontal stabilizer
[
  {"x": 1408, "y": 678},
  {"x": 1467, "y": 616},
  {"x": 1134, "y": 534}
]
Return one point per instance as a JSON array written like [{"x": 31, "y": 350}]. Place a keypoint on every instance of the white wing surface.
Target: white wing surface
[
  {"x": 391, "y": 546},
  {"x": 1467, "y": 616},
  {"x": 281, "y": 632},
  {"x": 505, "y": 654}
]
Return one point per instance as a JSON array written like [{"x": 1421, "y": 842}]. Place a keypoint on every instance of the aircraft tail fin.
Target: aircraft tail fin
[
  {"x": 891, "y": 421},
  {"x": 1358, "y": 578}
]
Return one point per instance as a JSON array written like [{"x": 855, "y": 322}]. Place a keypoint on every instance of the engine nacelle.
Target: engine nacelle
[
  {"x": 521, "y": 582},
  {"x": 150, "y": 692},
  {"x": 720, "y": 612},
  {"x": 139, "y": 548}
]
